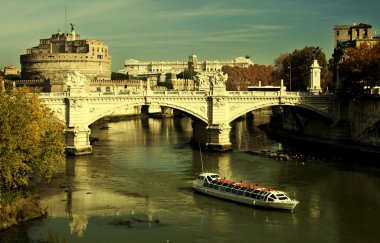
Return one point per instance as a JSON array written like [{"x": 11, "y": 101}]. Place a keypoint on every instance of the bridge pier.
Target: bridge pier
[
  {"x": 214, "y": 137},
  {"x": 78, "y": 141}
]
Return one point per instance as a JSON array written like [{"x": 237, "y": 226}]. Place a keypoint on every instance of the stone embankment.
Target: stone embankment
[{"x": 316, "y": 147}]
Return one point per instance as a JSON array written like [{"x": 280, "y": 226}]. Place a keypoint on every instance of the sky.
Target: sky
[{"x": 149, "y": 30}]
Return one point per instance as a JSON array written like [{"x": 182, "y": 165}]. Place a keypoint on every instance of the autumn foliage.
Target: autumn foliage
[
  {"x": 31, "y": 142},
  {"x": 360, "y": 68},
  {"x": 240, "y": 78}
]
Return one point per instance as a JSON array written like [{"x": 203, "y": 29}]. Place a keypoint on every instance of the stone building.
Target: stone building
[
  {"x": 11, "y": 70},
  {"x": 356, "y": 33},
  {"x": 54, "y": 57},
  {"x": 160, "y": 68}
]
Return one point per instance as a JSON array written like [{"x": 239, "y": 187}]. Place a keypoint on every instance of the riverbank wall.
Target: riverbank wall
[{"x": 354, "y": 122}]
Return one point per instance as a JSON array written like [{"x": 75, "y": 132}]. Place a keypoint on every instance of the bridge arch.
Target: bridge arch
[
  {"x": 245, "y": 109},
  {"x": 96, "y": 114}
]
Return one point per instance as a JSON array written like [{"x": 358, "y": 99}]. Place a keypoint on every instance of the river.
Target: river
[{"x": 136, "y": 187}]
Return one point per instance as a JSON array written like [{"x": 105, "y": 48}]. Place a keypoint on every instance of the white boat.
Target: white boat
[{"x": 211, "y": 184}]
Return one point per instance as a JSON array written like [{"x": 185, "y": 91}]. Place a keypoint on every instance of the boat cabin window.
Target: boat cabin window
[
  {"x": 214, "y": 176},
  {"x": 282, "y": 198},
  {"x": 247, "y": 193},
  {"x": 228, "y": 189},
  {"x": 240, "y": 192},
  {"x": 201, "y": 178}
]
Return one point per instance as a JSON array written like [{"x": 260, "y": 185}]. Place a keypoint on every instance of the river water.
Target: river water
[{"x": 136, "y": 187}]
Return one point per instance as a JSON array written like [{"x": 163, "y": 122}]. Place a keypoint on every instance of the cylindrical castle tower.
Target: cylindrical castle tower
[{"x": 65, "y": 53}]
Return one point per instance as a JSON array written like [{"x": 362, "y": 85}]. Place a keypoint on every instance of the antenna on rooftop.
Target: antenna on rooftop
[{"x": 65, "y": 16}]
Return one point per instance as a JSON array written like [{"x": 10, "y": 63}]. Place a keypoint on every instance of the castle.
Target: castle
[{"x": 54, "y": 57}]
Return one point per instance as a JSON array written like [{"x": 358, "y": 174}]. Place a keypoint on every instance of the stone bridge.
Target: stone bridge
[{"x": 212, "y": 108}]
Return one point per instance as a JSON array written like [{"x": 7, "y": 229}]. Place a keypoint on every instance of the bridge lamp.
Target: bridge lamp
[{"x": 290, "y": 77}]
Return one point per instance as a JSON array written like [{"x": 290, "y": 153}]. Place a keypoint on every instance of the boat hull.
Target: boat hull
[{"x": 245, "y": 200}]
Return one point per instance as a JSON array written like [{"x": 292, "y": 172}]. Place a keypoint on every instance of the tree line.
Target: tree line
[{"x": 351, "y": 74}]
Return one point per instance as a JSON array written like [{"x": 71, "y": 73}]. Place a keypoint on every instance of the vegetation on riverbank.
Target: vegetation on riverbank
[
  {"x": 19, "y": 206},
  {"x": 31, "y": 147}
]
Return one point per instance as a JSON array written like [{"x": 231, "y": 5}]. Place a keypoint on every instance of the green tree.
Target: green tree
[
  {"x": 119, "y": 76},
  {"x": 30, "y": 139},
  {"x": 187, "y": 74},
  {"x": 294, "y": 68},
  {"x": 12, "y": 77}
]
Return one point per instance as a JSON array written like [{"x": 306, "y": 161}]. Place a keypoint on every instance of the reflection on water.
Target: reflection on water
[{"x": 141, "y": 172}]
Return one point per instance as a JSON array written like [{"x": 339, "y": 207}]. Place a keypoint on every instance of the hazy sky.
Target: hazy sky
[{"x": 173, "y": 29}]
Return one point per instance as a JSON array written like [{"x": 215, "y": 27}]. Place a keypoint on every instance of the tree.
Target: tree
[
  {"x": 187, "y": 74},
  {"x": 359, "y": 68},
  {"x": 240, "y": 78},
  {"x": 294, "y": 68},
  {"x": 119, "y": 76},
  {"x": 30, "y": 139}
]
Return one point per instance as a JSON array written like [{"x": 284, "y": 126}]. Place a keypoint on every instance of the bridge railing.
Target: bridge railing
[
  {"x": 54, "y": 94},
  {"x": 179, "y": 93},
  {"x": 186, "y": 93},
  {"x": 275, "y": 93}
]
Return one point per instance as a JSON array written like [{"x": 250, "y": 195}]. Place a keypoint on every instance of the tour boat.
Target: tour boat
[{"x": 211, "y": 184}]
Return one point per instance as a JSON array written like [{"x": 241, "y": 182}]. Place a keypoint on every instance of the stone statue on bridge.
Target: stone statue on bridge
[
  {"x": 76, "y": 80},
  {"x": 203, "y": 81},
  {"x": 219, "y": 79},
  {"x": 215, "y": 80}
]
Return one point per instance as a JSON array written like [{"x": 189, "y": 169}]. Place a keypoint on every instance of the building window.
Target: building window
[
  {"x": 337, "y": 32},
  {"x": 357, "y": 32},
  {"x": 365, "y": 33}
]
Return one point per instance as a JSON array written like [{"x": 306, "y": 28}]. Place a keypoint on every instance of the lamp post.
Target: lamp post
[{"x": 290, "y": 77}]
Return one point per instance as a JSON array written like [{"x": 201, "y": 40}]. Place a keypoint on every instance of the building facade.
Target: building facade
[
  {"x": 11, "y": 70},
  {"x": 134, "y": 67},
  {"x": 54, "y": 57},
  {"x": 356, "y": 33}
]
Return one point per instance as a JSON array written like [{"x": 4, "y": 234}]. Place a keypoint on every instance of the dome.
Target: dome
[
  {"x": 243, "y": 60},
  {"x": 131, "y": 62}
]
